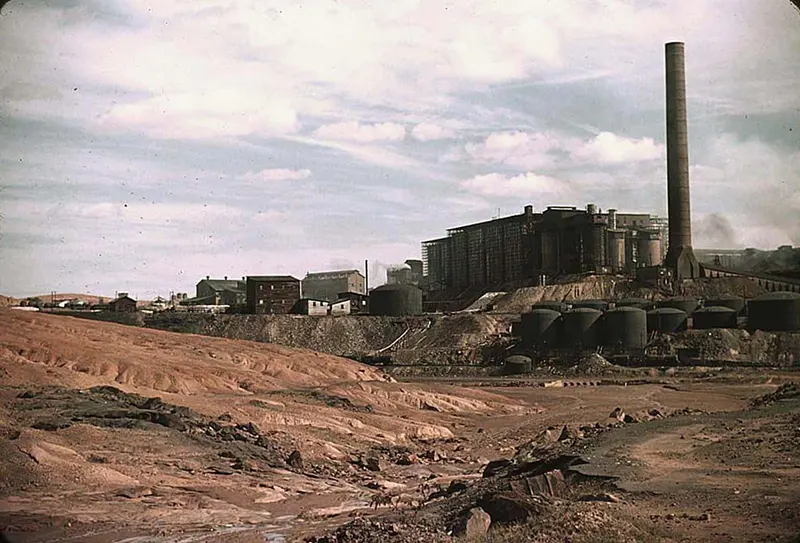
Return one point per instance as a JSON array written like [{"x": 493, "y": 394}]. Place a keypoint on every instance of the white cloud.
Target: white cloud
[
  {"x": 277, "y": 174},
  {"x": 524, "y": 185},
  {"x": 608, "y": 148},
  {"x": 362, "y": 133},
  {"x": 430, "y": 131},
  {"x": 538, "y": 150}
]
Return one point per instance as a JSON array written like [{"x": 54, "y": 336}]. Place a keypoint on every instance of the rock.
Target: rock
[
  {"x": 549, "y": 484},
  {"x": 295, "y": 460},
  {"x": 496, "y": 467},
  {"x": 428, "y": 406},
  {"x": 630, "y": 419},
  {"x": 570, "y": 434},
  {"x": 655, "y": 413},
  {"x": 510, "y": 507},
  {"x": 704, "y": 517},
  {"x": 372, "y": 463},
  {"x": 434, "y": 455},
  {"x": 407, "y": 459},
  {"x": 605, "y": 497},
  {"x": 618, "y": 414},
  {"x": 225, "y": 417},
  {"x": 474, "y": 525},
  {"x": 135, "y": 492}
]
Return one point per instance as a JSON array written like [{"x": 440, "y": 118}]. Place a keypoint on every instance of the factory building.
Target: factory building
[
  {"x": 220, "y": 291},
  {"x": 328, "y": 285},
  {"x": 272, "y": 294},
  {"x": 558, "y": 241}
]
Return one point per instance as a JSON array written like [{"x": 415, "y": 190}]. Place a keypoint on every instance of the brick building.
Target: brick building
[
  {"x": 272, "y": 294},
  {"x": 328, "y": 285}
]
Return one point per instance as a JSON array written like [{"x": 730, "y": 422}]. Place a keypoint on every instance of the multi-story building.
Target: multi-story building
[
  {"x": 558, "y": 241},
  {"x": 272, "y": 294},
  {"x": 328, "y": 285}
]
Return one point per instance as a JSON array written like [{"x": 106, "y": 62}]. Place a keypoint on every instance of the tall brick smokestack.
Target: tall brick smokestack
[{"x": 680, "y": 256}]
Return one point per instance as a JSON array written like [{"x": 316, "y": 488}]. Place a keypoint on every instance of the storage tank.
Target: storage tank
[
  {"x": 517, "y": 364},
  {"x": 540, "y": 328},
  {"x": 648, "y": 248},
  {"x": 553, "y": 305},
  {"x": 687, "y": 304},
  {"x": 600, "y": 305},
  {"x": 714, "y": 317},
  {"x": 580, "y": 328},
  {"x": 625, "y": 327},
  {"x": 616, "y": 249},
  {"x": 641, "y": 303},
  {"x": 727, "y": 300},
  {"x": 776, "y": 311},
  {"x": 666, "y": 320},
  {"x": 395, "y": 300}
]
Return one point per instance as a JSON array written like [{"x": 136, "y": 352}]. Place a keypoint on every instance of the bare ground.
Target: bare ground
[{"x": 255, "y": 442}]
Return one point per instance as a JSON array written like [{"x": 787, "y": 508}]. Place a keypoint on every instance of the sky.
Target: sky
[{"x": 145, "y": 145}]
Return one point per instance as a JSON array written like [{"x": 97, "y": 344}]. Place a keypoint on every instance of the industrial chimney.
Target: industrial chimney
[{"x": 680, "y": 256}]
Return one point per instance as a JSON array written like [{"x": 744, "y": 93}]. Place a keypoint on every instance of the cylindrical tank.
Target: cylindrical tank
[
  {"x": 600, "y": 305},
  {"x": 648, "y": 247},
  {"x": 594, "y": 247},
  {"x": 687, "y": 304},
  {"x": 517, "y": 364},
  {"x": 666, "y": 320},
  {"x": 640, "y": 303},
  {"x": 540, "y": 328},
  {"x": 395, "y": 300},
  {"x": 776, "y": 311},
  {"x": 553, "y": 305},
  {"x": 591, "y": 209},
  {"x": 625, "y": 327},
  {"x": 516, "y": 328},
  {"x": 550, "y": 255},
  {"x": 714, "y": 317},
  {"x": 727, "y": 300},
  {"x": 580, "y": 328},
  {"x": 616, "y": 249}
]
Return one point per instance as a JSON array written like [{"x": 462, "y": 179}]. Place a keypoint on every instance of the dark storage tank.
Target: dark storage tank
[
  {"x": 727, "y": 300},
  {"x": 776, "y": 311},
  {"x": 579, "y": 328},
  {"x": 517, "y": 364},
  {"x": 395, "y": 300},
  {"x": 714, "y": 317},
  {"x": 540, "y": 328},
  {"x": 640, "y": 303},
  {"x": 666, "y": 320},
  {"x": 516, "y": 328},
  {"x": 625, "y": 327},
  {"x": 600, "y": 305},
  {"x": 687, "y": 304},
  {"x": 553, "y": 305}
]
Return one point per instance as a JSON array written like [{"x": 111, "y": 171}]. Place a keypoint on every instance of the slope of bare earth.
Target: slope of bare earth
[
  {"x": 6, "y": 301},
  {"x": 80, "y": 441}
]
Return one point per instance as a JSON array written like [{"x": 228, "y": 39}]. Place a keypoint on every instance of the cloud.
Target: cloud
[
  {"x": 430, "y": 131},
  {"x": 277, "y": 174},
  {"x": 548, "y": 150},
  {"x": 362, "y": 133},
  {"x": 524, "y": 185},
  {"x": 608, "y": 148}
]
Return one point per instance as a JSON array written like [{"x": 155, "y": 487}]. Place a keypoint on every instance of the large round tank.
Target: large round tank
[
  {"x": 727, "y": 300},
  {"x": 540, "y": 328},
  {"x": 552, "y": 305},
  {"x": 600, "y": 305},
  {"x": 580, "y": 328},
  {"x": 517, "y": 364},
  {"x": 776, "y": 311},
  {"x": 666, "y": 320},
  {"x": 714, "y": 317},
  {"x": 687, "y": 304},
  {"x": 640, "y": 303},
  {"x": 625, "y": 327},
  {"x": 395, "y": 300}
]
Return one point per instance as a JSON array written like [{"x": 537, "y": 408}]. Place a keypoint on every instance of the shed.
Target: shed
[{"x": 123, "y": 304}]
